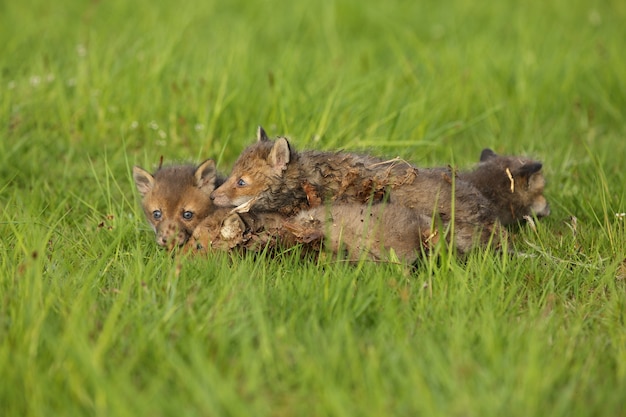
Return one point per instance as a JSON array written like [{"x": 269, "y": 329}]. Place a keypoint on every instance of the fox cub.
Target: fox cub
[
  {"x": 271, "y": 176},
  {"x": 349, "y": 231},
  {"x": 176, "y": 199}
]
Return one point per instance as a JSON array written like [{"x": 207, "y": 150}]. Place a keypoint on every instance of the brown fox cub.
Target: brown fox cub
[
  {"x": 353, "y": 231},
  {"x": 514, "y": 185},
  {"x": 270, "y": 176},
  {"x": 176, "y": 199}
]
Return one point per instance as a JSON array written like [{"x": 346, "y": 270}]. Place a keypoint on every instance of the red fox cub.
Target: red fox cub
[
  {"x": 176, "y": 199},
  {"x": 270, "y": 176},
  {"x": 513, "y": 184},
  {"x": 350, "y": 231}
]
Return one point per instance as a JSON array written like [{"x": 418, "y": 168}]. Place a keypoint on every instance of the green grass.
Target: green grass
[{"x": 95, "y": 320}]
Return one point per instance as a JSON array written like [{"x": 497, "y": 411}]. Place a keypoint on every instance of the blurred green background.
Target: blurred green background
[{"x": 94, "y": 320}]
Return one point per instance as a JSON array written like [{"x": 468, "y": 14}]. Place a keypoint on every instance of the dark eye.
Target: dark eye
[
  {"x": 187, "y": 215},
  {"x": 157, "y": 214},
  {"x": 241, "y": 183}
]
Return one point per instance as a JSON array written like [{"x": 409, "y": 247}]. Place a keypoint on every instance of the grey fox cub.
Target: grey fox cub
[{"x": 176, "y": 199}]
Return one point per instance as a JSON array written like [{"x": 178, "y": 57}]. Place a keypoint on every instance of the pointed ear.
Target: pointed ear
[
  {"x": 206, "y": 175},
  {"x": 280, "y": 154},
  {"x": 232, "y": 227},
  {"x": 261, "y": 136},
  {"x": 528, "y": 169},
  {"x": 487, "y": 154},
  {"x": 143, "y": 180}
]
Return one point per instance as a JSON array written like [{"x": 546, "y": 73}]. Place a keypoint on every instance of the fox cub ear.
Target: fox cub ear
[
  {"x": 528, "y": 169},
  {"x": 143, "y": 180},
  {"x": 205, "y": 175},
  {"x": 232, "y": 227},
  {"x": 280, "y": 154},
  {"x": 487, "y": 154},
  {"x": 261, "y": 136}
]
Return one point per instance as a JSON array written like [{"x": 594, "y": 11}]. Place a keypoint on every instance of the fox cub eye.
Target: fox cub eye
[
  {"x": 241, "y": 182},
  {"x": 157, "y": 214},
  {"x": 187, "y": 215}
]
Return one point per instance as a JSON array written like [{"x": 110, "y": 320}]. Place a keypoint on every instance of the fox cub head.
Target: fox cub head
[
  {"x": 259, "y": 168},
  {"x": 221, "y": 231},
  {"x": 517, "y": 183},
  {"x": 176, "y": 198}
]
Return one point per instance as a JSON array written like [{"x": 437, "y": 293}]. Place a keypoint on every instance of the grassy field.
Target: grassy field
[{"x": 95, "y": 320}]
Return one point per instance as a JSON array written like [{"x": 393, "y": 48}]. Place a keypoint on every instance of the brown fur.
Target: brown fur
[
  {"x": 225, "y": 230},
  {"x": 176, "y": 199},
  {"x": 208, "y": 235},
  {"x": 277, "y": 177},
  {"x": 512, "y": 197},
  {"x": 371, "y": 232},
  {"x": 270, "y": 176},
  {"x": 353, "y": 231}
]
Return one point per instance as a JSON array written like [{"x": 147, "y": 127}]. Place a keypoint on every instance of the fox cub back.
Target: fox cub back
[
  {"x": 176, "y": 199},
  {"x": 359, "y": 231}
]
